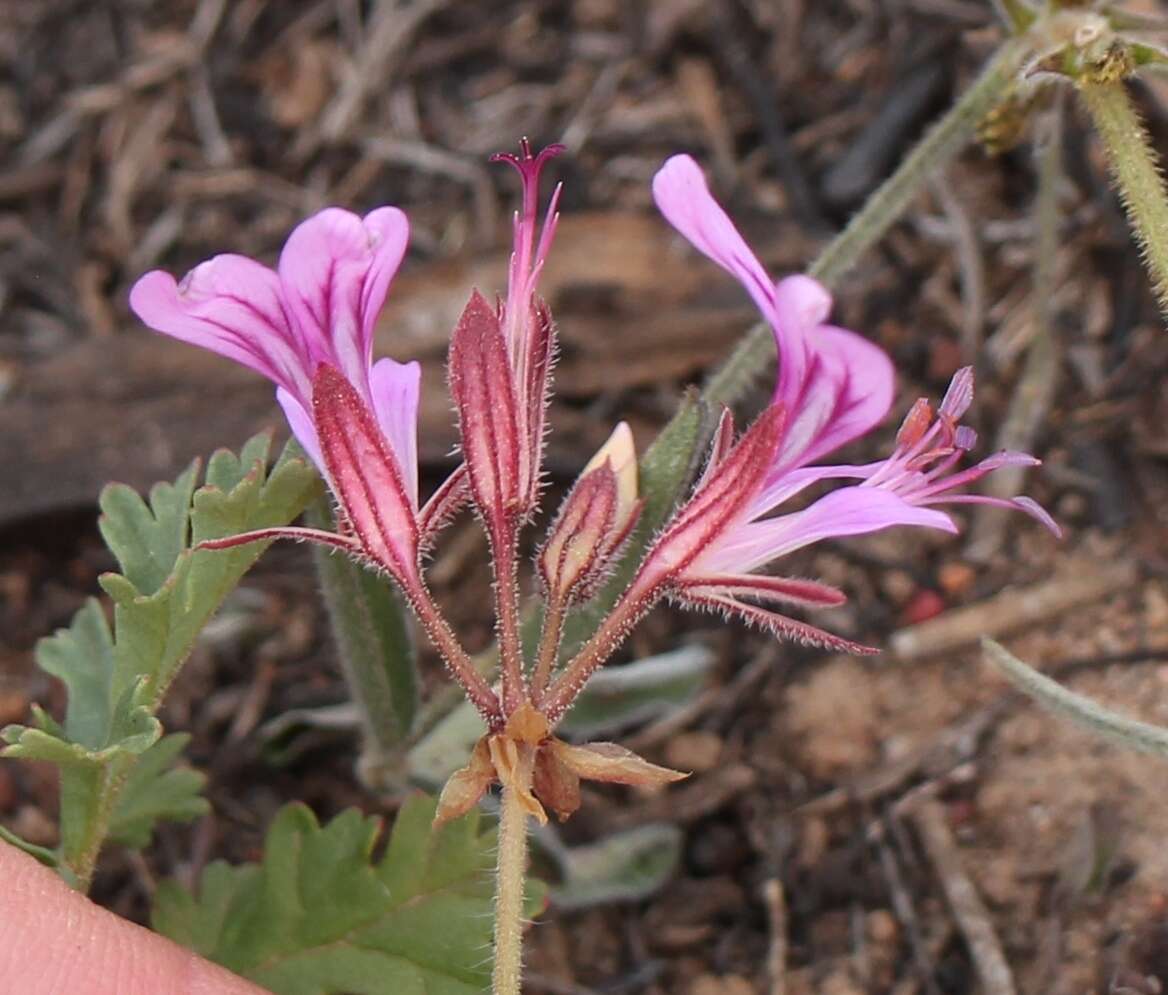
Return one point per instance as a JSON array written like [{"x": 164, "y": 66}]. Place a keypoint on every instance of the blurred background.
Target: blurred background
[{"x": 136, "y": 135}]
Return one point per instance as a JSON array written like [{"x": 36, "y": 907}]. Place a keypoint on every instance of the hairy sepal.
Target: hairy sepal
[
  {"x": 578, "y": 535},
  {"x": 536, "y": 398},
  {"x": 772, "y": 622},
  {"x": 488, "y": 413},
  {"x": 452, "y": 496},
  {"x": 788, "y": 590},
  {"x": 365, "y": 476},
  {"x": 717, "y": 500}
]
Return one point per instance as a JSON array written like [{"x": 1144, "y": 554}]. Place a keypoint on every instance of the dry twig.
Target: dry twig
[{"x": 964, "y": 901}]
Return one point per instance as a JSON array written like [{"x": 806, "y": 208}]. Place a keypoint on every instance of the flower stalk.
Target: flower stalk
[{"x": 1137, "y": 173}]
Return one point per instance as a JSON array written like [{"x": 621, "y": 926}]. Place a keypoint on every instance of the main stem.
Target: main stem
[
  {"x": 1137, "y": 174},
  {"x": 940, "y": 144},
  {"x": 511, "y": 867}
]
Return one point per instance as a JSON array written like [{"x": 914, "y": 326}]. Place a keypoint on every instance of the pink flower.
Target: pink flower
[
  {"x": 832, "y": 387},
  {"x": 308, "y": 327},
  {"x": 526, "y": 323},
  {"x": 317, "y": 308}
]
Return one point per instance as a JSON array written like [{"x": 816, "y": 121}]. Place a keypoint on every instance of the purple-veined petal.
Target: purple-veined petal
[
  {"x": 396, "y": 389},
  {"x": 335, "y": 271},
  {"x": 682, "y": 196},
  {"x": 230, "y": 305},
  {"x": 834, "y": 383},
  {"x": 782, "y": 486},
  {"x": 849, "y": 511},
  {"x": 300, "y": 421},
  {"x": 848, "y": 389}
]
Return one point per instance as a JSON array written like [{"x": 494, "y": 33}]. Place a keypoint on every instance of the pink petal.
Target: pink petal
[
  {"x": 396, "y": 388},
  {"x": 300, "y": 421},
  {"x": 846, "y": 389},
  {"x": 834, "y": 383},
  {"x": 229, "y": 305},
  {"x": 847, "y": 512},
  {"x": 335, "y": 270},
  {"x": 681, "y": 193}
]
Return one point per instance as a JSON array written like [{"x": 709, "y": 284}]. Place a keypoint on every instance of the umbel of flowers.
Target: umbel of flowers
[{"x": 308, "y": 326}]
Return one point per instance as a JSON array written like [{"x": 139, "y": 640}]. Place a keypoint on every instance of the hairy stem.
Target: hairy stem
[
  {"x": 457, "y": 660},
  {"x": 941, "y": 143},
  {"x": 97, "y": 796},
  {"x": 506, "y": 558},
  {"x": 1136, "y": 171},
  {"x": 550, "y": 637},
  {"x": 510, "y": 869},
  {"x": 633, "y": 605}
]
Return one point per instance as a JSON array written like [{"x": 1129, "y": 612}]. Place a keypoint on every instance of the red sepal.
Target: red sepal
[
  {"x": 579, "y": 535},
  {"x": 772, "y": 622},
  {"x": 484, "y": 393},
  {"x": 716, "y": 502},
  {"x": 762, "y": 587},
  {"x": 364, "y": 475}
]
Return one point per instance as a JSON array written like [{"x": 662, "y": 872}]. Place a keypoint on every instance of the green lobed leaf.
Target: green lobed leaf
[
  {"x": 115, "y": 682},
  {"x": 1078, "y": 708},
  {"x": 320, "y": 916},
  {"x": 157, "y": 790},
  {"x": 147, "y": 539},
  {"x": 82, "y": 658},
  {"x": 156, "y": 630}
]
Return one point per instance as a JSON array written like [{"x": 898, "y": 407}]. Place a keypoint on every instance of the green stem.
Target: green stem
[
  {"x": 1136, "y": 171},
  {"x": 94, "y": 793},
  {"x": 510, "y": 870},
  {"x": 940, "y": 144},
  {"x": 374, "y": 648}
]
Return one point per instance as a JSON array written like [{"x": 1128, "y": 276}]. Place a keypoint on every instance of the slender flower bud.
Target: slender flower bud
[
  {"x": 594, "y": 522},
  {"x": 484, "y": 393}
]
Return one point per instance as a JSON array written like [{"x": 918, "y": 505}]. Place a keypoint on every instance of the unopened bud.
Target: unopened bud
[{"x": 596, "y": 518}]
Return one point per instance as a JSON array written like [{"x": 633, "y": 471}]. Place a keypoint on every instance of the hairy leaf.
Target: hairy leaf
[
  {"x": 624, "y": 867},
  {"x": 1081, "y": 710},
  {"x": 319, "y": 916},
  {"x": 156, "y": 630},
  {"x": 116, "y": 772},
  {"x": 374, "y": 645},
  {"x": 157, "y": 790}
]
